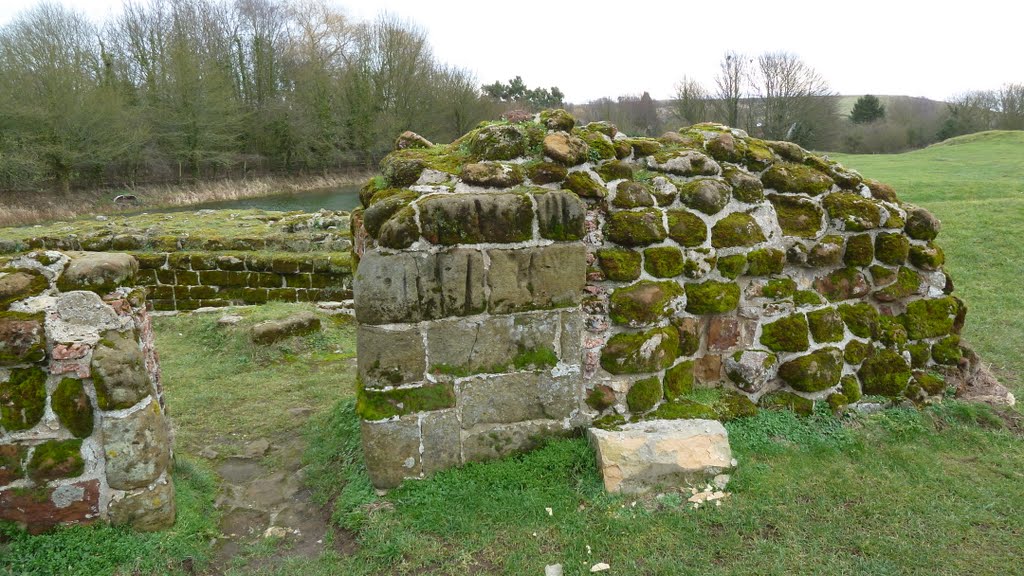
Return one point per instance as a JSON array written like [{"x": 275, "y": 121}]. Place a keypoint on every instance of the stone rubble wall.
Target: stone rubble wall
[
  {"x": 83, "y": 433},
  {"x": 710, "y": 259}
]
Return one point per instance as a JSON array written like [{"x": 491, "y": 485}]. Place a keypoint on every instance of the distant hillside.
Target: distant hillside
[{"x": 846, "y": 102}]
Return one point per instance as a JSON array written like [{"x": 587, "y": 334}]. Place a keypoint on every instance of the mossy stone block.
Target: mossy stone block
[
  {"x": 619, "y": 264},
  {"x": 22, "y": 338},
  {"x": 20, "y": 284},
  {"x": 907, "y": 283},
  {"x": 640, "y": 352},
  {"x": 930, "y": 257},
  {"x": 546, "y": 172},
  {"x": 732, "y": 266},
  {"x": 734, "y": 406},
  {"x": 686, "y": 228},
  {"x": 705, "y": 194},
  {"x": 933, "y": 384},
  {"x": 765, "y": 262},
  {"x": 712, "y": 297},
  {"x": 636, "y": 228},
  {"x": 920, "y": 352},
  {"x": 12, "y": 458},
  {"x": 746, "y": 187},
  {"x": 22, "y": 398},
  {"x": 885, "y": 373},
  {"x": 797, "y": 179},
  {"x": 584, "y": 185},
  {"x": 643, "y": 395},
  {"x": 882, "y": 276},
  {"x": 947, "y": 350},
  {"x": 930, "y": 318},
  {"x": 826, "y": 325},
  {"x": 615, "y": 170},
  {"x": 678, "y": 380},
  {"x": 796, "y": 216},
  {"x": 561, "y": 215},
  {"x": 827, "y": 252},
  {"x": 497, "y": 142},
  {"x": 71, "y": 404},
  {"x": 814, "y": 372},
  {"x": 850, "y": 388},
  {"x": 401, "y": 230},
  {"x": 601, "y": 398},
  {"x": 892, "y": 248},
  {"x": 689, "y": 334},
  {"x": 807, "y": 298},
  {"x": 474, "y": 218},
  {"x": 632, "y": 195},
  {"x": 643, "y": 303},
  {"x": 855, "y": 212},
  {"x": 663, "y": 261},
  {"x": 921, "y": 224},
  {"x": 399, "y": 171},
  {"x": 736, "y": 229},
  {"x": 374, "y": 217},
  {"x": 843, "y": 284},
  {"x": 861, "y": 319},
  {"x": 859, "y": 251},
  {"x": 56, "y": 459},
  {"x": 891, "y": 332},
  {"x": 856, "y": 351},
  {"x": 119, "y": 371},
  {"x": 787, "y": 334}
]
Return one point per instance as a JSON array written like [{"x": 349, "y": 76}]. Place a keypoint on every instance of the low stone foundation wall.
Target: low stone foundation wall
[
  {"x": 83, "y": 436},
  {"x": 190, "y": 280}
]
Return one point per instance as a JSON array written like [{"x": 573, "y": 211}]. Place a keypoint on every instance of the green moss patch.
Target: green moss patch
[
  {"x": 797, "y": 179},
  {"x": 859, "y": 251},
  {"x": 678, "y": 380},
  {"x": 663, "y": 261},
  {"x": 826, "y": 325},
  {"x": 819, "y": 370},
  {"x": 601, "y": 398},
  {"x": 765, "y": 262},
  {"x": 796, "y": 216},
  {"x": 736, "y": 229},
  {"x": 56, "y": 459},
  {"x": 639, "y": 352},
  {"x": 932, "y": 383},
  {"x": 689, "y": 335},
  {"x": 615, "y": 170},
  {"x": 861, "y": 319},
  {"x": 705, "y": 194},
  {"x": 22, "y": 398},
  {"x": 787, "y": 334},
  {"x": 686, "y": 228},
  {"x": 884, "y": 373},
  {"x": 732, "y": 266},
  {"x": 921, "y": 224},
  {"x": 947, "y": 350},
  {"x": 17, "y": 284},
  {"x": 855, "y": 212},
  {"x": 930, "y": 318},
  {"x": 378, "y": 405},
  {"x": 850, "y": 388},
  {"x": 498, "y": 142},
  {"x": 920, "y": 352},
  {"x": 643, "y": 303},
  {"x": 712, "y": 297},
  {"x": 891, "y": 332},
  {"x": 779, "y": 288},
  {"x": 619, "y": 264},
  {"x": 546, "y": 172},
  {"x": 807, "y": 298},
  {"x": 892, "y": 248},
  {"x": 746, "y": 187},
  {"x": 856, "y": 351},
  {"x": 71, "y": 405},
  {"x": 637, "y": 228},
  {"x": 732, "y": 406},
  {"x": 643, "y": 395},
  {"x": 930, "y": 257},
  {"x": 475, "y": 218}
]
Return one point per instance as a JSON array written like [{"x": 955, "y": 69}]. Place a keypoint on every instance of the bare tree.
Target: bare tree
[
  {"x": 793, "y": 101},
  {"x": 692, "y": 102},
  {"x": 732, "y": 85},
  {"x": 1011, "y": 107}
]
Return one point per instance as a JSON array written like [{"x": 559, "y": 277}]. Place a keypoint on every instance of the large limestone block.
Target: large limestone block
[
  {"x": 273, "y": 330},
  {"x": 137, "y": 448},
  {"x": 392, "y": 449},
  {"x": 390, "y": 356},
  {"x": 410, "y": 287},
  {"x": 642, "y": 455},
  {"x": 146, "y": 510},
  {"x": 119, "y": 372},
  {"x": 518, "y": 397},
  {"x": 98, "y": 271},
  {"x": 536, "y": 278}
]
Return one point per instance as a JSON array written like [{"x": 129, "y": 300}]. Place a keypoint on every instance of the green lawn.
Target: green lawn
[{"x": 930, "y": 492}]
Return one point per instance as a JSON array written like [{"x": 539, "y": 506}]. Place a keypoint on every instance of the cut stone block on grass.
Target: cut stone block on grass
[{"x": 641, "y": 456}]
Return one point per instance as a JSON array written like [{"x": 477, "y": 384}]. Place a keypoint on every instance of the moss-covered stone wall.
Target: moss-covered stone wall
[
  {"x": 704, "y": 258},
  {"x": 83, "y": 436},
  {"x": 208, "y": 258}
]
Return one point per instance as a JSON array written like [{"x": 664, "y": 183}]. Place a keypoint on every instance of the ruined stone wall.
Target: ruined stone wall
[
  {"x": 712, "y": 259},
  {"x": 83, "y": 436},
  {"x": 212, "y": 259}
]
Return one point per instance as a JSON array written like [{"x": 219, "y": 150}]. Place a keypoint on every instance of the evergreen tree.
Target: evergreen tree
[{"x": 867, "y": 109}]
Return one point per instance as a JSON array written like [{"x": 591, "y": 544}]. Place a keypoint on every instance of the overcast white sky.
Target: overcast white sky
[{"x": 592, "y": 49}]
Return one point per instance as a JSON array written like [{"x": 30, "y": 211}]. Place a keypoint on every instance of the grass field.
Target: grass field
[{"x": 931, "y": 492}]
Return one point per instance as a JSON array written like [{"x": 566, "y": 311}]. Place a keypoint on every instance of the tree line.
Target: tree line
[{"x": 177, "y": 90}]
